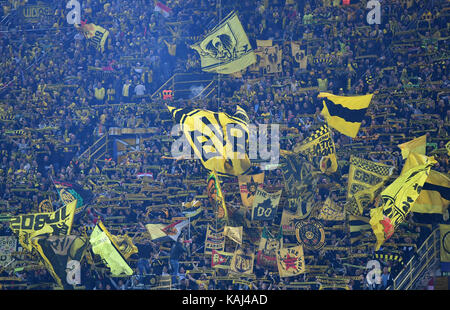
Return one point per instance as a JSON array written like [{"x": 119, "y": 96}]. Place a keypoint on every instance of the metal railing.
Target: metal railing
[
  {"x": 427, "y": 255},
  {"x": 96, "y": 150}
]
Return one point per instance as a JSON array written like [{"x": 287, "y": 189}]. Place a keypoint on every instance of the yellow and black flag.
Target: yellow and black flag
[
  {"x": 365, "y": 180},
  {"x": 225, "y": 49},
  {"x": 269, "y": 244},
  {"x": 95, "y": 35},
  {"x": 435, "y": 194},
  {"x": 214, "y": 240},
  {"x": 359, "y": 228},
  {"x": 62, "y": 256},
  {"x": 216, "y": 197},
  {"x": 248, "y": 184},
  {"x": 103, "y": 244},
  {"x": 398, "y": 199},
  {"x": 242, "y": 261},
  {"x": 331, "y": 211},
  {"x": 265, "y": 205},
  {"x": 319, "y": 148},
  {"x": 417, "y": 145},
  {"x": 57, "y": 223},
  {"x": 345, "y": 113},
  {"x": 445, "y": 242},
  {"x": 218, "y": 139},
  {"x": 300, "y": 184},
  {"x": 291, "y": 261}
]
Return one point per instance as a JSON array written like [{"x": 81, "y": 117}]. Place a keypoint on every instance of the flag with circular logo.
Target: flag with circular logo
[{"x": 310, "y": 233}]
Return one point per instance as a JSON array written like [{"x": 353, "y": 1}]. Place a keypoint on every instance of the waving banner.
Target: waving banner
[
  {"x": 69, "y": 192},
  {"x": 216, "y": 197},
  {"x": 103, "y": 245},
  {"x": 398, "y": 199},
  {"x": 320, "y": 149},
  {"x": 291, "y": 261},
  {"x": 218, "y": 139},
  {"x": 310, "y": 234},
  {"x": 265, "y": 205},
  {"x": 57, "y": 223},
  {"x": 242, "y": 261},
  {"x": 62, "y": 256},
  {"x": 215, "y": 240},
  {"x": 365, "y": 181},
  {"x": 225, "y": 49},
  {"x": 221, "y": 260},
  {"x": 345, "y": 114},
  {"x": 300, "y": 184},
  {"x": 248, "y": 185},
  {"x": 268, "y": 247}
]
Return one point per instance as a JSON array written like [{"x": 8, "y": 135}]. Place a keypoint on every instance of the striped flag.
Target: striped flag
[
  {"x": 358, "y": 226},
  {"x": 345, "y": 114}
]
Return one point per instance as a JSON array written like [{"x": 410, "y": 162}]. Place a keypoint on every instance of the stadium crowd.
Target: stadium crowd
[{"x": 58, "y": 96}]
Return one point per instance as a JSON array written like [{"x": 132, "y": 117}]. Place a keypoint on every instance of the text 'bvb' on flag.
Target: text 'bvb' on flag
[
  {"x": 345, "y": 113},
  {"x": 226, "y": 48}
]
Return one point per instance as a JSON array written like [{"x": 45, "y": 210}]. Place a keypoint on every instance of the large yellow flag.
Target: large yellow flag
[
  {"x": 398, "y": 199},
  {"x": 434, "y": 197},
  {"x": 291, "y": 261},
  {"x": 225, "y": 49},
  {"x": 343, "y": 113},
  {"x": 104, "y": 245},
  {"x": 417, "y": 145},
  {"x": 95, "y": 35},
  {"x": 57, "y": 223},
  {"x": 218, "y": 139},
  {"x": 445, "y": 242}
]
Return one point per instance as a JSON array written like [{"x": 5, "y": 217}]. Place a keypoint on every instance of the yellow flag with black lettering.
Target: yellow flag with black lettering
[
  {"x": 345, "y": 113},
  {"x": 95, "y": 36},
  {"x": 56, "y": 223},
  {"x": 218, "y": 139},
  {"x": 398, "y": 199},
  {"x": 104, "y": 246},
  {"x": 445, "y": 242},
  {"x": 417, "y": 145},
  {"x": 365, "y": 180},
  {"x": 242, "y": 261},
  {"x": 225, "y": 49},
  {"x": 319, "y": 148}
]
